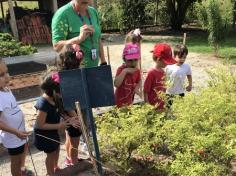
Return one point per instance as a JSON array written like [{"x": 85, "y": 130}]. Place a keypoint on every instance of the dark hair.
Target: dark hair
[
  {"x": 49, "y": 86},
  {"x": 154, "y": 58},
  {"x": 67, "y": 58},
  {"x": 180, "y": 50},
  {"x": 131, "y": 37}
]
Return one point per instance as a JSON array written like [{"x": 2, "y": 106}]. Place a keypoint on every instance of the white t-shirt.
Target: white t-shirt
[
  {"x": 176, "y": 76},
  {"x": 13, "y": 117}
]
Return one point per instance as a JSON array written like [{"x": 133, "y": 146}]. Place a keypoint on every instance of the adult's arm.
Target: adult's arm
[
  {"x": 101, "y": 53},
  {"x": 85, "y": 31}
]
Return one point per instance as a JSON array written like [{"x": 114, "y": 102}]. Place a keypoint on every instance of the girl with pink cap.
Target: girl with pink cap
[{"x": 128, "y": 76}]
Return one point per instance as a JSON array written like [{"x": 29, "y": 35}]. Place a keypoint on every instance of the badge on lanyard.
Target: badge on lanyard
[
  {"x": 93, "y": 50},
  {"x": 94, "y": 54}
]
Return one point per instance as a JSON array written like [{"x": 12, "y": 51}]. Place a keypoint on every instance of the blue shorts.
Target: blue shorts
[
  {"x": 44, "y": 144},
  {"x": 74, "y": 132}
]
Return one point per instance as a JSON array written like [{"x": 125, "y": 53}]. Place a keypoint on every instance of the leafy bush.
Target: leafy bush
[
  {"x": 215, "y": 16},
  {"x": 110, "y": 14},
  {"x": 199, "y": 141},
  {"x": 10, "y": 47},
  {"x": 133, "y": 13}
]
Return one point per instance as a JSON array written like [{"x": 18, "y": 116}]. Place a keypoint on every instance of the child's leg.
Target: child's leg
[
  {"x": 68, "y": 145},
  {"x": 16, "y": 156},
  {"x": 23, "y": 157},
  {"x": 50, "y": 161},
  {"x": 16, "y": 164},
  {"x": 56, "y": 157},
  {"x": 74, "y": 141}
]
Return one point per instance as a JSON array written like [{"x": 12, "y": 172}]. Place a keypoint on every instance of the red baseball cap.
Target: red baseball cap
[{"x": 164, "y": 52}]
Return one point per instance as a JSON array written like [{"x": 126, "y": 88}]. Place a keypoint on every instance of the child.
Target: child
[
  {"x": 128, "y": 78},
  {"x": 154, "y": 83},
  {"x": 134, "y": 37},
  {"x": 12, "y": 125},
  {"x": 177, "y": 74},
  {"x": 48, "y": 122},
  {"x": 70, "y": 57}
]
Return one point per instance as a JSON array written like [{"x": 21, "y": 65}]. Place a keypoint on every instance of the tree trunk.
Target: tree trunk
[
  {"x": 156, "y": 12},
  {"x": 234, "y": 15},
  {"x": 177, "y": 10}
]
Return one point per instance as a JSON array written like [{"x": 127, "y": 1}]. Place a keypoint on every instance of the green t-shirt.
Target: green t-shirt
[{"x": 66, "y": 24}]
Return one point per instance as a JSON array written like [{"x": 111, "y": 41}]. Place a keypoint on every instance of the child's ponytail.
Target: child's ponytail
[
  {"x": 51, "y": 88},
  {"x": 134, "y": 37},
  {"x": 70, "y": 57}
]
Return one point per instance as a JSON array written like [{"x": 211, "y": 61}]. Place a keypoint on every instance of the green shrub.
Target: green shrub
[
  {"x": 133, "y": 13},
  {"x": 199, "y": 141},
  {"x": 10, "y": 47},
  {"x": 110, "y": 14},
  {"x": 215, "y": 16}
]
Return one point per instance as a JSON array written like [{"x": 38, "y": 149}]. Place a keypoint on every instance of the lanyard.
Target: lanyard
[{"x": 83, "y": 21}]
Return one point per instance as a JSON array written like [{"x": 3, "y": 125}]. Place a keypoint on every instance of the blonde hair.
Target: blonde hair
[{"x": 133, "y": 36}]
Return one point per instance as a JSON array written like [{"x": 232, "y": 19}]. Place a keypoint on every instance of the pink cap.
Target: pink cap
[{"x": 131, "y": 51}]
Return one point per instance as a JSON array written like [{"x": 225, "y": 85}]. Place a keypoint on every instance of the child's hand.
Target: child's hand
[
  {"x": 75, "y": 122},
  {"x": 22, "y": 134},
  {"x": 130, "y": 70},
  {"x": 64, "y": 124},
  {"x": 189, "y": 88},
  {"x": 138, "y": 92}
]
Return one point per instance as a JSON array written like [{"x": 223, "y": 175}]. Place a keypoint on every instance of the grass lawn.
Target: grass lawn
[
  {"x": 24, "y": 4},
  {"x": 198, "y": 43}
]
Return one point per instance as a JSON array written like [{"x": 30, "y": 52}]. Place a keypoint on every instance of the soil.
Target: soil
[{"x": 198, "y": 62}]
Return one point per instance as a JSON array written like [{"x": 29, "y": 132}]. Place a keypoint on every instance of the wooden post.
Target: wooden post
[
  {"x": 2, "y": 10},
  {"x": 184, "y": 39},
  {"x": 156, "y": 12},
  {"x": 108, "y": 55},
  {"x": 86, "y": 137},
  {"x": 55, "y": 5},
  {"x": 13, "y": 20}
]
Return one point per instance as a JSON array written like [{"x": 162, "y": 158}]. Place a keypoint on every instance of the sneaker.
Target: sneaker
[
  {"x": 85, "y": 148},
  {"x": 57, "y": 169},
  {"x": 67, "y": 162},
  {"x": 27, "y": 172}
]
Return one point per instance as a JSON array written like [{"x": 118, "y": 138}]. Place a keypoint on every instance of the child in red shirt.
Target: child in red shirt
[
  {"x": 128, "y": 78},
  {"x": 154, "y": 84}
]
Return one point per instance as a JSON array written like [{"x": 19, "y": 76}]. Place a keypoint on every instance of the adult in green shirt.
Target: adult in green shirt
[{"x": 78, "y": 23}]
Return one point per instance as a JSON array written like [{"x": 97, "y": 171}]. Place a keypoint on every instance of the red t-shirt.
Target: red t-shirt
[
  {"x": 154, "y": 85},
  {"x": 124, "y": 95}
]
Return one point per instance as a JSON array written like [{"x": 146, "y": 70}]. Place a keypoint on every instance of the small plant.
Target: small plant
[{"x": 10, "y": 47}]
